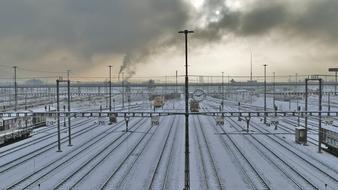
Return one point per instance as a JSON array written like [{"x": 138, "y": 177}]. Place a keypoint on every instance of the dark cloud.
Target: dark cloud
[
  {"x": 86, "y": 28},
  {"x": 32, "y": 29},
  {"x": 315, "y": 19}
]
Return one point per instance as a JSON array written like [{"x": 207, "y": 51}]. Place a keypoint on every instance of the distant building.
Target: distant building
[{"x": 34, "y": 82}]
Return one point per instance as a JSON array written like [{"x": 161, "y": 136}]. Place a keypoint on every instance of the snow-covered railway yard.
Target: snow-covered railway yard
[{"x": 152, "y": 156}]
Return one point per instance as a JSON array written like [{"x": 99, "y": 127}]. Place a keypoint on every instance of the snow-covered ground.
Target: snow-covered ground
[{"x": 152, "y": 157}]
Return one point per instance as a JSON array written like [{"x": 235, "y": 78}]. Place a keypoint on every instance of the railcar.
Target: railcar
[
  {"x": 158, "y": 101},
  {"x": 194, "y": 106},
  {"x": 329, "y": 137},
  {"x": 13, "y": 129},
  {"x": 16, "y": 128}
]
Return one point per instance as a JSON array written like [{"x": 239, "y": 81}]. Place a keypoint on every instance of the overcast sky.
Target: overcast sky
[{"x": 139, "y": 37}]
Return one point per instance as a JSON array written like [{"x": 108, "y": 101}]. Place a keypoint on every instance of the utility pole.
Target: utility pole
[
  {"x": 274, "y": 88},
  {"x": 69, "y": 124},
  {"x": 222, "y": 91},
  {"x": 335, "y": 87},
  {"x": 58, "y": 115},
  {"x": 296, "y": 82},
  {"x": 176, "y": 84},
  {"x": 251, "y": 67},
  {"x": 329, "y": 104},
  {"x": 69, "y": 127},
  {"x": 110, "y": 87},
  {"x": 306, "y": 94},
  {"x": 228, "y": 87},
  {"x": 186, "y": 168},
  {"x": 166, "y": 83},
  {"x": 265, "y": 92},
  {"x": 320, "y": 117},
  {"x": 15, "y": 90},
  {"x": 122, "y": 89}
]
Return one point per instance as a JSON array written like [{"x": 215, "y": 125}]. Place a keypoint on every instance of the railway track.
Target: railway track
[
  {"x": 28, "y": 156},
  {"x": 50, "y": 169},
  {"x": 310, "y": 160},
  {"x": 252, "y": 175},
  {"x": 291, "y": 148},
  {"x": 127, "y": 164},
  {"x": 159, "y": 181},
  {"x": 45, "y": 137},
  {"x": 38, "y": 140},
  {"x": 291, "y": 173},
  {"x": 206, "y": 157},
  {"x": 312, "y": 120},
  {"x": 82, "y": 172},
  {"x": 285, "y": 170},
  {"x": 284, "y": 144}
]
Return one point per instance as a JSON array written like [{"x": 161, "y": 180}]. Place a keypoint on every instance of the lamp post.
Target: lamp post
[
  {"x": 274, "y": 88},
  {"x": 122, "y": 89},
  {"x": 186, "y": 166},
  {"x": 68, "y": 101},
  {"x": 265, "y": 92},
  {"x": 58, "y": 114},
  {"x": 176, "y": 84},
  {"x": 15, "y": 90},
  {"x": 222, "y": 91},
  {"x": 110, "y": 87}
]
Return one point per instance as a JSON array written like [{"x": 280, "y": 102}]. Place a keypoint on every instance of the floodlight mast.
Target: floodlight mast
[
  {"x": 186, "y": 165},
  {"x": 265, "y": 65},
  {"x": 110, "y": 87},
  {"x": 15, "y": 90}
]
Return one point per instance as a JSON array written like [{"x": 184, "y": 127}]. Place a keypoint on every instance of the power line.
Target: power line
[
  {"x": 31, "y": 70},
  {"x": 40, "y": 71}
]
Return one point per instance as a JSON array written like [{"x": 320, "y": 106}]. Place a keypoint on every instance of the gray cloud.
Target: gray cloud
[
  {"x": 315, "y": 19},
  {"x": 85, "y": 28},
  {"x": 32, "y": 29}
]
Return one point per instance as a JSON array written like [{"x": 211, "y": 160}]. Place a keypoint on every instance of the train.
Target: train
[
  {"x": 194, "y": 106},
  {"x": 329, "y": 137},
  {"x": 159, "y": 101},
  {"x": 13, "y": 129}
]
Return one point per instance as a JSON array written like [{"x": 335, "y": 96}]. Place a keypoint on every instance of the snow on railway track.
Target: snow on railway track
[
  {"x": 29, "y": 155},
  {"x": 211, "y": 177},
  {"x": 312, "y": 170},
  {"x": 158, "y": 179},
  {"x": 70, "y": 160}
]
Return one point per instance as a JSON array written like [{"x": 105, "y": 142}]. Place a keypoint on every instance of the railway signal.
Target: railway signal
[
  {"x": 155, "y": 120},
  {"x": 126, "y": 119},
  {"x": 265, "y": 92},
  {"x": 247, "y": 119}
]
